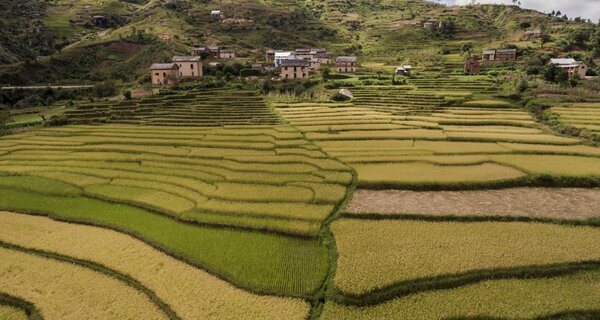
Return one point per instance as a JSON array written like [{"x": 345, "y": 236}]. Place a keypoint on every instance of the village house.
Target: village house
[
  {"x": 214, "y": 52},
  {"x": 572, "y": 66},
  {"x": 164, "y": 74},
  {"x": 217, "y": 14},
  {"x": 536, "y": 33},
  {"x": 295, "y": 69},
  {"x": 314, "y": 64},
  {"x": 197, "y": 51},
  {"x": 99, "y": 20},
  {"x": 258, "y": 67},
  {"x": 325, "y": 58},
  {"x": 189, "y": 67},
  {"x": 473, "y": 66},
  {"x": 404, "y": 70},
  {"x": 500, "y": 55},
  {"x": 346, "y": 64},
  {"x": 284, "y": 55},
  {"x": 227, "y": 54}
]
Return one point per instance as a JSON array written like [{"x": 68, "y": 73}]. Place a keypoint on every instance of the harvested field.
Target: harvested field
[
  {"x": 12, "y": 313},
  {"x": 417, "y": 250},
  {"x": 191, "y": 292},
  {"x": 65, "y": 291},
  {"x": 531, "y": 202}
]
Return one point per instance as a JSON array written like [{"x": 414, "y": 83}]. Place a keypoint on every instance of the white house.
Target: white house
[
  {"x": 284, "y": 55},
  {"x": 572, "y": 66}
]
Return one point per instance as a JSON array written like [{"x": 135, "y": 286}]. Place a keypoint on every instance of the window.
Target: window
[
  {"x": 164, "y": 74},
  {"x": 192, "y": 66},
  {"x": 156, "y": 74}
]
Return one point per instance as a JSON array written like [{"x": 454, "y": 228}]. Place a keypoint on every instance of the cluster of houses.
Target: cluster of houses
[
  {"x": 570, "y": 65},
  {"x": 298, "y": 64},
  {"x": 303, "y": 62}
]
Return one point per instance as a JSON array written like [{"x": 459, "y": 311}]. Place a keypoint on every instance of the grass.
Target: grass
[
  {"x": 260, "y": 262},
  {"x": 60, "y": 289},
  {"x": 450, "y": 248},
  {"x": 12, "y": 313},
  {"x": 499, "y": 299},
  {"x": 191, "y": 292}
]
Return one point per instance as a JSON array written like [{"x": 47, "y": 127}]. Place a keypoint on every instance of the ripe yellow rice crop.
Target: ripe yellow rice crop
[
  {"x": 420, "y": 173},
  {"x": 62, "y": 290},
  {"x": 554, "y": 165},
  {"x": 373, "y": 254},
  {"x": 11, "y": 313},
  {"x": 503, "y": 299},
  {"x": 191, "y": 292}
]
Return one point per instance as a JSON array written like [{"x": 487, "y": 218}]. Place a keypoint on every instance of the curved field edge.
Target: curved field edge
[
  {"x": 257, "y": 262},
  {"x": 128, "y": 280},
  {"x": 190, "y": 291},
  {"x": 491, "y": 299},
  {"x": 30, "y": 310},
  {"x": 405, "y": 288}
]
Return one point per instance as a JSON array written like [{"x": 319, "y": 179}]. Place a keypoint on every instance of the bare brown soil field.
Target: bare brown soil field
[{"x": 564, "y": 203}]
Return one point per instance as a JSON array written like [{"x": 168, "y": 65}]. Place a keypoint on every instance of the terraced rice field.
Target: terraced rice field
[
  {"x": 194, "y": 108},
  {"x": 195, "y": 205},
  {"x": 451, "y": 248},
  {"x": 404, "y": 139},
  {"x": 537, "y": 299},
  {"x": 191, "y": 292},
  {"x": 580, "y": 115}
]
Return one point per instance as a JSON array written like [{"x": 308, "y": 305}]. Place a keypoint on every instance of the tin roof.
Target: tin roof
[
  {"x": 186, "y": 59},
  {"x": 163, "y": 66},
  {"x": 346, "y": 59},
  {"x": 295, "y": 63}
]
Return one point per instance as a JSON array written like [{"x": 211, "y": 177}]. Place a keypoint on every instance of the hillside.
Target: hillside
[{"x": 58, "y": 41}]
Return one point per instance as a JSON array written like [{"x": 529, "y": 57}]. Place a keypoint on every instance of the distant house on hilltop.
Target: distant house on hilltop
[
  {"x": 404, "y": 70},
  {"x": 536, "y": 33},
  {"x": 500, "y": 55},
  {"x": 164, "y": 74},
  {"x": 295, "y": 69},
  {"x": 472, "y": 66},
  {"x": 189, "y": 66},
  {"x": 572, "y": 66},
  {"x": 226, "y": 54},
  {"x": 217, "y": 14},
  {"x": 99, "y": 20},
  {"x": 282, "y": 56},
  {"x": 346, "y": 64}
]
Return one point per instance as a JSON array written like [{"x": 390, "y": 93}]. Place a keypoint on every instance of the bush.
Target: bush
[
  {"x": 127, "y": 94},
  {"x": 249, "y": 73},
  {"x": 106, "y": 88},
  {"x": 57, "y": 121}
]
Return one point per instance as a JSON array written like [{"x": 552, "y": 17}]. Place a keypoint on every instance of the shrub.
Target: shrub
[
  {"x": 127, "y": 94},
  {"x": 106, "y": 88}
]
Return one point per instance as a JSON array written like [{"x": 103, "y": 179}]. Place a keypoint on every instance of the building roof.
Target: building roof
[
  {"x": 214, "y": 48},
  {"x": 163, "y": 66},
  {"x": 186, "y": 59},
  {"x": 227, "y": 51},
  {"x": 407, "y": 67},
  {"x": 284, "y": 54},
  {"x": 302, "y": 50},
  {"x": 324, "y": 55},
  {"x": 346, "y": 59},
  {"x": 199, "y": 49},
  {"x": 295, "y": 63},
  {"x": 215, "y": 12},
  {"x": 568, "y": 61},
  {"x": 489, "y": 51},
  {"x": 506, "y": 51}
]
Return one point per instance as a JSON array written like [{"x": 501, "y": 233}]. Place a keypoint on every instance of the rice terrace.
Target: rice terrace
[{"x": 299, "y": 159}]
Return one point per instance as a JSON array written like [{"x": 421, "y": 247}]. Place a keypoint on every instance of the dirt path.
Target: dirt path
[{"x": 535, "y": 202}]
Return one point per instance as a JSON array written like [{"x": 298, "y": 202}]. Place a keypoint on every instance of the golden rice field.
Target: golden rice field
[
  {"x": 65, "y": 291},
  {"x": 504, "y": 299},
  {"x": 580, "y": 115},
  {"x": 395, "y": 140},
  {"x": 12, "y": 313},
  {"x": 418, "y": 250},
  {"x": 191, "y": 292}
]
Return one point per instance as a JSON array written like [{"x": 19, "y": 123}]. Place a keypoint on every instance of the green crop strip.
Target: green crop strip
[{"x": 165, "y": 308}]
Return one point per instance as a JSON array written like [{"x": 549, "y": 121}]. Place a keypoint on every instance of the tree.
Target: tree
[
  {"x": 467, "y": 48},
  {"x": 545, "y": 38}
]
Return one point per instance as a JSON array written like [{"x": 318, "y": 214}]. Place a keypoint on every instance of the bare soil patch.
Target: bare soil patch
[{"x": 564, "y": 203}]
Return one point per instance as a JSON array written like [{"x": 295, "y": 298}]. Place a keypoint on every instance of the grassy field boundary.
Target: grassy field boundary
[
  {"x": 591, "y": 222},
  {"x": 404, "y": 288},
  {"x": 29, "y": 308},
  {"x": 128, "y": 280},
  {"x": 571, "y": 315},
  {"x": 532, "y": 180}
]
